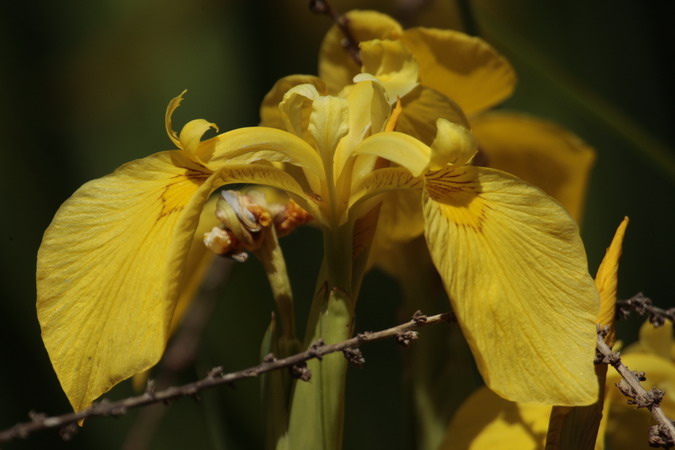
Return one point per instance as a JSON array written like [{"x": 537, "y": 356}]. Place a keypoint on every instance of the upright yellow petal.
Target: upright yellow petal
[
  {"x": 368, "y": 113},
  {"x": 515, "y": 269},
  {"x": 463, "y": 68},
  {"x": 108, "y": 272},
  {"x": 328, "y": 123},
  {"x": 540, "y": 152},
  {"x": 270, "y": 116},
  {"x": 606, "y": 281},
  {"x": 336, "y": 66}
]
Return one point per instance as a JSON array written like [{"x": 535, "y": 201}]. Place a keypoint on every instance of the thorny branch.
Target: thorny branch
[
  {"x": 643, "y": 306},
  {"x": 295, "y": 363},
  {"x": 350, "y": 44},
  {"x": 661, "y": 435}
]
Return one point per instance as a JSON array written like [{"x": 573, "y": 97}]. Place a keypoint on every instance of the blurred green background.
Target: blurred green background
[{"x": 86, "y": 85}]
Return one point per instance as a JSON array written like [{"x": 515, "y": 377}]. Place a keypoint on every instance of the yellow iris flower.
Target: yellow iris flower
[{"x": 113, "y": 260}]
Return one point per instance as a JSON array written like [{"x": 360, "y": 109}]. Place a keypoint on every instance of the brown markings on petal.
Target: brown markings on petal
[
  {"x": 457, "y": 193},
  {"x": 180, "y": 187}
]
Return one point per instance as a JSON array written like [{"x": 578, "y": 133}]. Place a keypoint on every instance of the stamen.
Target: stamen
[{"x": 393, "y": 119}]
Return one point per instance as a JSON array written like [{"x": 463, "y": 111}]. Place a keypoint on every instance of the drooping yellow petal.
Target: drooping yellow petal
[
  {"x": 270, "y": 116},
  {"x": 336, "y": 66},
  {"x": 581, "y": 427},
  {"x": 198, "y": 261},
  {"x": 606, "y": 281},
  {"x": 421, "y": 108},
  {"x": 540, "y": 152},
  {"x": 111, "y": 264},
  {"x": 515, "y": 269},
  {"x": 463, "y": 68},
  {"x": 108, "y": 272},
  {"x": 486, "y": 421},
  {"x": 392, "y": 64}
]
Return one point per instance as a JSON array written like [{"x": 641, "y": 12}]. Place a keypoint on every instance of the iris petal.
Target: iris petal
[{"x": 515, "y": 269}]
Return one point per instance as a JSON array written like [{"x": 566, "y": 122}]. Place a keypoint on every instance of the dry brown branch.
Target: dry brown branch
[
  {"x": 661, "y": 435},
  {"x": 643, "y": 306},
  {"x": 350, "y": 44},
  {"x": 296, "y": 363}
]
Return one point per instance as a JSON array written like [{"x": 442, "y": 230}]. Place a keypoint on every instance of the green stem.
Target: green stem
[{"x": 317, "y": 409}]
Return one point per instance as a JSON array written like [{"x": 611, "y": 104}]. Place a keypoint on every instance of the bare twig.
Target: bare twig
[
  {"x": 643, "y": 306},
  {"x": 661, "y": 435},
  {"x": 350, "y": 44},
  {"x": 214, "y": 378}
]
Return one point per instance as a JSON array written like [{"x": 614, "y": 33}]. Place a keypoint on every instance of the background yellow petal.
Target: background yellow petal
[
  {"x": 336, "y": 66},
  {"x": 487, "y": 421},
  {"x": 461, "y": 67},
  {"x": 108, "y": 272},
  {"x": 270, "y": 116},
  {"x": 421, "y": 108},
  {"x": 515, "y": 269},
  {"x": 655, "y": 340},
  {"x": 540, "y": 152},
  {"x": 392, "y": 64}
]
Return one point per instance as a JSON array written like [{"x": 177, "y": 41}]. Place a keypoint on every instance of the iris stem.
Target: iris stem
[{"x": 317, "y": 408}]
